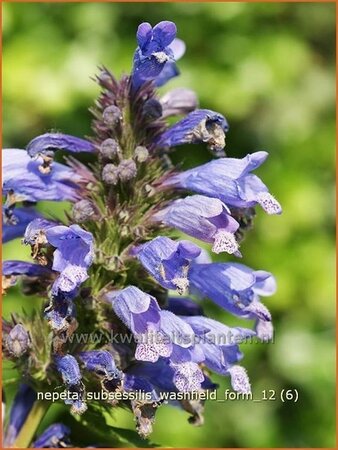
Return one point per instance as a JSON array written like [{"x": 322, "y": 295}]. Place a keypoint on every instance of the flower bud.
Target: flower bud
[
  {"x": 112, "y": 115},
  {"x": 109, "y": 148},
  {"x": 110, "y": 174},
  {"x": 152, "y": 109},
  {"x": 17, "y": 341},
  {"x": 141, "y": 154},
  {"x": 82, "y": 211},
  {"x": 127, "y": 170}
]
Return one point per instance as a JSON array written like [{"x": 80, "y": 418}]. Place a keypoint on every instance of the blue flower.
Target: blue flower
[
  {"x": 22, "y": 180},
  {"x": 47, "y": 144},
  {"x": 168, "y": 261},
  {"x": 137, "y": 310},
  {"x": 73, "y": 255},
  {"x": 230, "y": 180},
  {"x": 16, "y": 267},
  {"x": 234, "y": 287},
  {"x": 69, "y": 369},
  {"x": 178, "y": 101},
  {"x": 60, "y": 312},
  {"x": 188, "y": 376},
  {"x": 219, "y": 344},
  {"x": 18, "y": 341},
  {"x": 141, "y": 314},
  {"x": 155, "y": 53},
  {"x": 101, "y": 362},
  {"x": 170, "y": 69},
  {"x": 22, "y": 404},
  {"x": 15, "y": 222},
  {"x": 183, "y": 306},
  {"x": 55, "y": 436},
  {"x": 35, "y": 233},
  {"x": 133, "y": 383},
  {"x": 173, "y": 338},
  {"x": 201, "y": 125},
  {"x": 13, "y": 269},
  {"x": 204, "y": 218}
]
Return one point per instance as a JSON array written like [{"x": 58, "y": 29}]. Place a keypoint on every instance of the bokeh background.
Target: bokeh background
[{"x": 269, "y": 68}]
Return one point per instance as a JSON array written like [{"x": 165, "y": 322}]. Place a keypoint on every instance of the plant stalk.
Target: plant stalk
[{"x": 31, "y": 424}]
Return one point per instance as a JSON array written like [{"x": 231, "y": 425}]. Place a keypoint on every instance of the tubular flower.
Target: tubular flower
[
  {"x": 204, "y": 218},
  {"x": 108, "y": 264},
  {"x": 230, "y": 180},
  {"x": 168, "y": 261}
]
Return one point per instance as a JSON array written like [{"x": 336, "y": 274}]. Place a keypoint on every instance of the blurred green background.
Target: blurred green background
[{"x": 269, "y": 68}]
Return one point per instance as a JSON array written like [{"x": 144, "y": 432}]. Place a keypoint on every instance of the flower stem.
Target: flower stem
[{"x": 31, "y": 424}]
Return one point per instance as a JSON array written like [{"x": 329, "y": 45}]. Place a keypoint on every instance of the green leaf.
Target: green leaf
[{"x": 96, "y": 420}]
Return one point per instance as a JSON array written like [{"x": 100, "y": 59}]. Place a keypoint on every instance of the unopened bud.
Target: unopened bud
[
  {"x": 127, "y": 170},
  {"x": 110, "y": 174},
  {"x": 141, "y": 154},
  {"x": 109, "y": 148},
  {"x": 17, "y": 341},
  {"x": 152, "y": 109},
  {"x": 112, "y": 115},
  {"x": 83, "y": 210}
]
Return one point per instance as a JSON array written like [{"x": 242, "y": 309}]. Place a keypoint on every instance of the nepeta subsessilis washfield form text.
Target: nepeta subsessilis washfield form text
[{"x": 119, "y": 280}]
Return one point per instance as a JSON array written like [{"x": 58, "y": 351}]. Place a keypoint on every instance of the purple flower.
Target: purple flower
[
  {"x": 168, "y": 261},
  {"x": 201, "y": 125},
  {"x": 15, "y": 222},
  {"x": 216, "y": 333},
  {"x": 22, "y": 404},
  {"x": 264, "y": 330},
  {"x": 69, "y": 369},
  {"x": 204, "y": 218},
  {"x": 170, "y": 69},
  {"x": 173, "y": 338},
  {"x": 23, "y": 181},
  {"x": 35, "y": 233},
  {"x": 219, "y": 344},
  {"x": 183, "y": 306},
  {"x": 47, "y": 144},
  {"x": 17, "y": 341},
  {"x": 142, "y": 315},
  {"x": 135, "y": 383},
  {"x": 154, "y": 53},
  {"x": 60, "y": 312},
  {"x": 144, "y": 407},
  {"x": 188, "y": 377},
  {"x": 73, "y": 255},
  {"x": 178, "y": 101},
  {"x": 55, "y": 436},
  {"x": 13, "y": 267},
  {"x": 234, "y": 287},
  {"x": 11, "y": 270},
  {"x": 137, "y": 310},
  {"x": 230, "y": 180},
  {"x": 101, "y": 362}
]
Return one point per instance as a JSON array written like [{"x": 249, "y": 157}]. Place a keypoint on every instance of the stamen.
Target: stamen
[
  {"x": 182, "y": 285},
  {"x": 225, "y": 242},
  {"x": 239, "y": 380},
  {"x": 269, "y": 203},
  {"x": 161, "y": 57},
  {"x": 46, "y": 167}
]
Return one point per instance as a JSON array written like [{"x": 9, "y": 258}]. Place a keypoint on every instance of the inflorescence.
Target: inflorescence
[{"x": 118, "y": 263}]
